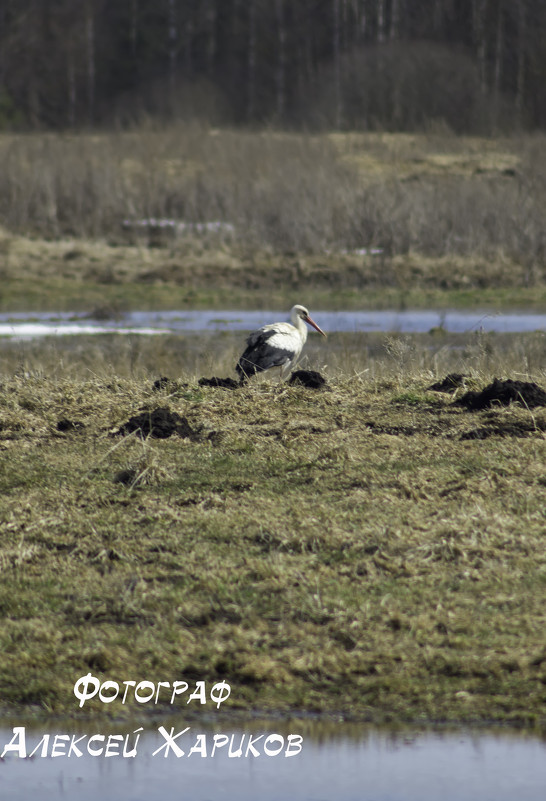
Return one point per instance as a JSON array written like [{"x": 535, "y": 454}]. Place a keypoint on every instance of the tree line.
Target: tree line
[{"x": 472, "y": 65}]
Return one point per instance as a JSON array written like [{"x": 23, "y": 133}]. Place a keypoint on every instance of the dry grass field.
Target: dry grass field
[{"x": 372, "y": 549}]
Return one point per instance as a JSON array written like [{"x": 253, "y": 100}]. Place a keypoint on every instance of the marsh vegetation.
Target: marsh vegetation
[{"x": 348, "y": 219}]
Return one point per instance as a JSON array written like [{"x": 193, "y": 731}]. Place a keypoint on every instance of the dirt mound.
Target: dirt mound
[
  {"x": 159, "y": 423},
  {"x": 450, "y": 383},
  {"x": 503, "y": 393},
  {"x": 308, "y": 378},
  {"x": 226, "y": 383}
]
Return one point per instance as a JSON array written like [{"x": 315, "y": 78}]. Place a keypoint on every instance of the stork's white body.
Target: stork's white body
[
  {"x": 287, "y": 337},
  {"x": 276, "y": 345}
]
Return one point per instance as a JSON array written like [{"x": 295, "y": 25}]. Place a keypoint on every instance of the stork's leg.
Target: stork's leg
[{"x": 285, "y": 370}]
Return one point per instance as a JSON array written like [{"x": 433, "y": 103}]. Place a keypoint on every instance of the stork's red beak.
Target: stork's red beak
[{"x": 315, "y": 326}]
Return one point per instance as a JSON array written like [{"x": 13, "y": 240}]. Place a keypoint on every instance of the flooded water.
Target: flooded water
[
  {"x": 28, "y": 326},
  {"x": 336, "y": 763}
]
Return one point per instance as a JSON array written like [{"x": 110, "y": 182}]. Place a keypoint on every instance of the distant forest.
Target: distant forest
[{"x": 472, "y": 66}]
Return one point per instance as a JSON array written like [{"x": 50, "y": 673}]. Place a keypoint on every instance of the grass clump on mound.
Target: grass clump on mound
[{"x": 347, "y": 551}]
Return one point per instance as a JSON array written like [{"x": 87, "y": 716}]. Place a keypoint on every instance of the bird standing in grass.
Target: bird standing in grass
[{"x": 276, "y": 345}]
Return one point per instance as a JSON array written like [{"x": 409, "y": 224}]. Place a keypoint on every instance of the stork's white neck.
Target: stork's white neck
[{"x": 299, "y": 324}]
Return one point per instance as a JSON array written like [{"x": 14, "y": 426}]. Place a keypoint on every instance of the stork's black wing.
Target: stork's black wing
[{"x": 260, "y": 355}]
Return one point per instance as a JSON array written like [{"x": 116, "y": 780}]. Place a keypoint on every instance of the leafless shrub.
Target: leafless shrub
[{"x": 283, "y": 191}]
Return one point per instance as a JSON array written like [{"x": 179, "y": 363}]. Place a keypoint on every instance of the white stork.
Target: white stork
[{"x": 276, "y": 345}]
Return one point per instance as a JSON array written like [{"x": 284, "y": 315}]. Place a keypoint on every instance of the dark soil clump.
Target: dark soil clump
[
  {"x": 125, "y": 477},
  {"x": 162, "y": 383},
  {"x": 168, "y": 383},
  {"x": 159, "y": 423},
  {"x": 69, "y": 425},
  {"x": 450, "y": 383},
  {"x": 309, "y": 378},
  {"x": 503, "y": 393},
  {"x": 225, "y": 383}
]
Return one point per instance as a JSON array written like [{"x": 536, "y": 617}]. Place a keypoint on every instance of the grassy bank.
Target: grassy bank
[
  {"x": 348, "y": 551},
  {"x": 106, "y": 280}
]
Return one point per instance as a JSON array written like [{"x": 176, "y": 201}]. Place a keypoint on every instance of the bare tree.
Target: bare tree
[
  {"x": 172, "y": 46},
  {"x": 133, "y": 31},
  {"x": 211, "y": 36},
  {"x": 309, "y": 67},
  {"x": 344, "y": 24},
  {"x": 394, "y": 29},
  {"x": 90, "y": 59},
  {"x": 521, "y": 45},
  {"x": 281, "y": 60},
  {"x": 337, "y": 64},
  {"x": 497, "y": 71},
  {"x": 359, "y": 14},
  {"x": 479, "y": 35},
  {"x": 69, "y": 31},
  {"x": 380, "y": 6},
  {"x": 188, "y": 44},
  {"x": 251, "y": 62},
  {"x": 72, "y": 92}
]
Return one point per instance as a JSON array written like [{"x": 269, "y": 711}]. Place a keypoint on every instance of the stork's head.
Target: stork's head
[{"x": 302, "y": 313}]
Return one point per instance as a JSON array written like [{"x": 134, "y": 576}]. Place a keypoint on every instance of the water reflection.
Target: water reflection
[{"x": 336, "y": 762}]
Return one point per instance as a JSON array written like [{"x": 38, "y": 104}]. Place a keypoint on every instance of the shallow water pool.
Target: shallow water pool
[
  {"x": 338, "y": 762},
  {"x": 28, "y": 326}
]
